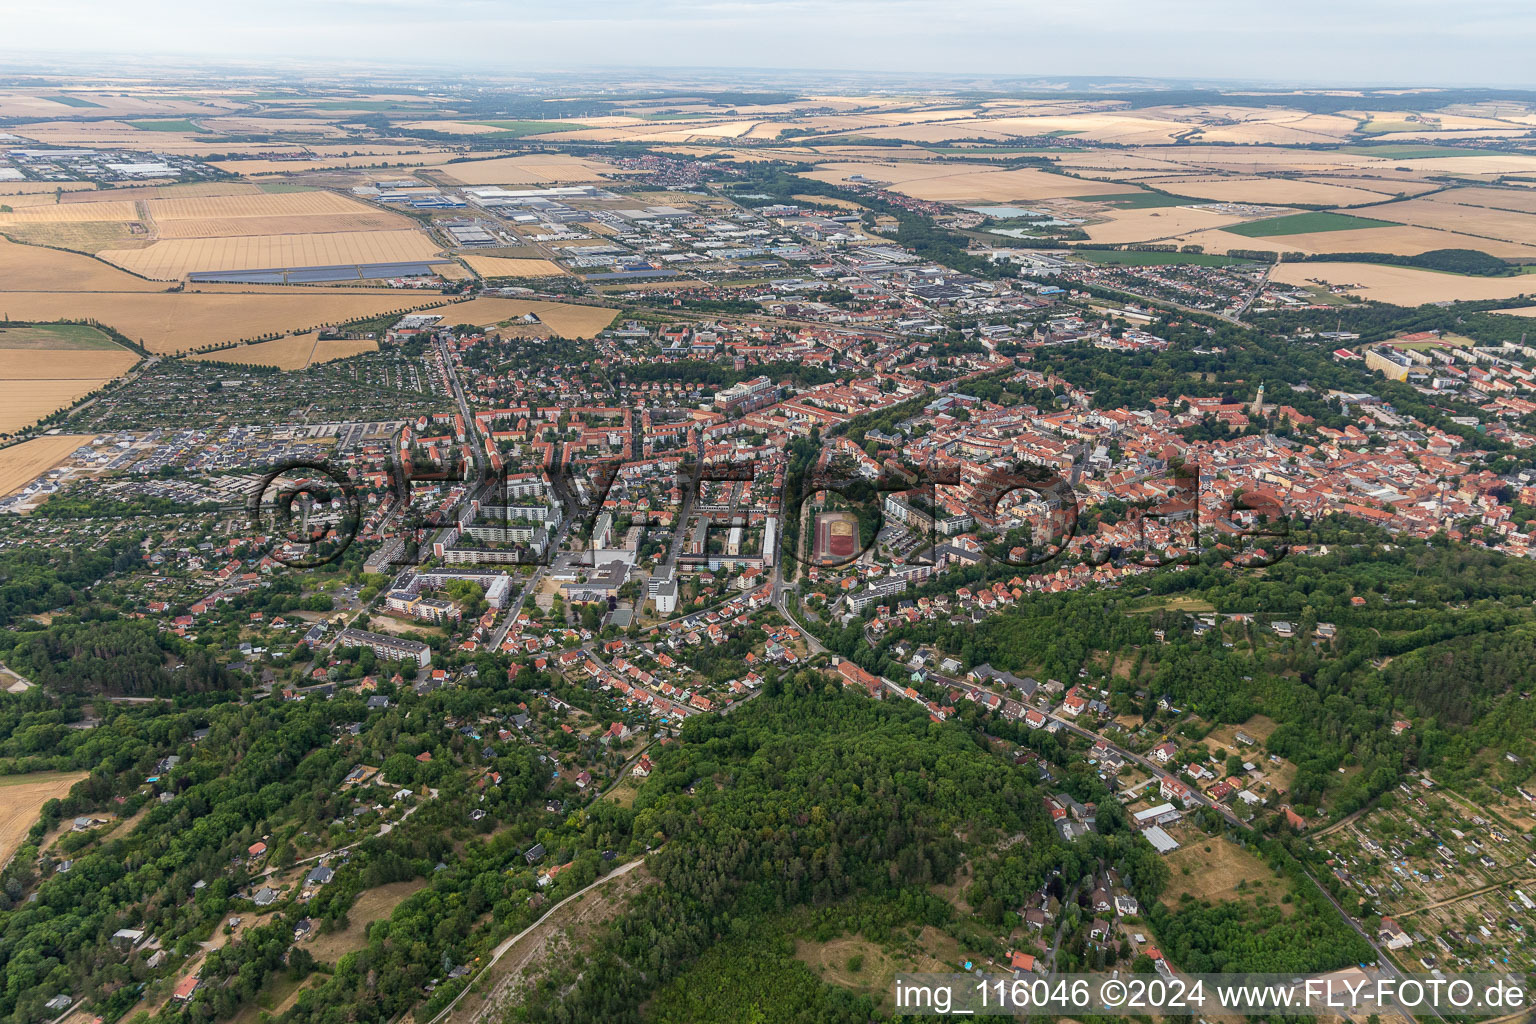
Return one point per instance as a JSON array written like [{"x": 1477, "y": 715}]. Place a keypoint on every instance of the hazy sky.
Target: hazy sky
[{"x": 1432, "y": 42}]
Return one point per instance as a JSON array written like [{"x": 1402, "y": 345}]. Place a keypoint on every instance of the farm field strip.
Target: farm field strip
[
  {"x": 1404, "y": 286},
  {"x": 291, "y": 353},
  {"x": 20, "y": 464},
  {"x": 172, "y": 259},
  {"x": 170, "y": 322}
]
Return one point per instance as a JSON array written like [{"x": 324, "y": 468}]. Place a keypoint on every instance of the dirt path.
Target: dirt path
[
  {"x": 542, "y": 932},
  {"x": 1466, "y": 896},
  {"x": 1337, "y": 825}
]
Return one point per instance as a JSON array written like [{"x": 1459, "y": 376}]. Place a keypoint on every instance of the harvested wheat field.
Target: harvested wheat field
[
  {"x": 1519, "y": 200},
  {"x": 24, "y": 402},
  {"x": 22, "y": 188},
  {"x": 20, "y": 464},
  {"x": 1403, "y": 241},
  {"x": 29, "y": 199},
  {"x": 35, "y": 268},
  {"x": 1261, "y": 159},
  {"x": 66, "y": 213},
  {"x": 47, "y": 368},
  {"x": 841, "y": 204},
  {"x": 452, "y": 127},
  {"x": 1404, "y": 286},
  {"x": 291, "y": 353},
  {"x": 563, "y": 319},
  {"x": 1154, "y": 224},
  {"x": 188, "y": 190},
  {"x": 501, "y": 266},
  {"x": 535, "y": 169},
  {"x": 1286, "y": 128},
  {"x": 1477, "y": 222},
  {"x": 1493, "y": 164},
  {"x": 950, "y": 182},
  {"x": 83, "y": 227},
  {"x": 173, "y": 259},
  {"x": 22, "y": 796},
  {"x": 1268, "y": 191},
  {"x": 1117, "y": 163},
  {"x": 263, "y": 213},
  {"x": 170, "y": 322},
  {"x": 257, "y": 167}
]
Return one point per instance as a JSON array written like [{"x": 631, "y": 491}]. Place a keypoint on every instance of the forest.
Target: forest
[{"x": 1441, "y": 637}]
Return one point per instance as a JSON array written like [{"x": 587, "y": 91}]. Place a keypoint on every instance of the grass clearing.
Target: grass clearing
[
  {"x": 371, "y": 905},
  {"x": 1306, "y": 223},
  {"x": 1193, "y": 605},
  {"x": 833, "y": 961},
  {"x": 1213, "y": 868}
]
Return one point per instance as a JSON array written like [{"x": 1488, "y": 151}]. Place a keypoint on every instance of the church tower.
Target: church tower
[{"x": 1257, "y": 408}]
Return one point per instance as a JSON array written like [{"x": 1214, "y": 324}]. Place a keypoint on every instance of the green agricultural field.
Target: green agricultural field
[
  {"x": 1160, "y": 259},
  {"x": 517, "y": 129},
  {"x": 179, "y": 124},
  {"x": 70, "y": 101},
  {"x": 1139, "y": 200},
  {"x": 1389, "y": 127},
  {"x": 54, "y": 336},
  {"x": 1305, "y": 223}
]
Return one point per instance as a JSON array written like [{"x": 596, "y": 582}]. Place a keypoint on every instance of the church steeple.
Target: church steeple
[{"x": 1257, "y": 408}]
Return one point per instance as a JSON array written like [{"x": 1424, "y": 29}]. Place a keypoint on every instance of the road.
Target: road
[
  {"x": 385, "y": 828},
  {"x": 1387, "y": 966},
  {"x": 471, "y": 431},
  {"x": 623, "y": 774},
  {"x": 1196, "y": 797},
  {"x": 1258, "y": 289},
  {"x": 1050, "y": 957},
  {"x": 516, "y": 608},
  {"x": 502, "y": 949},
  {"x": 812, "y": 645}
]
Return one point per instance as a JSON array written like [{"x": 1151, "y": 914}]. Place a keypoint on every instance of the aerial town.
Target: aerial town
[{"x": 719, "y": 552}]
